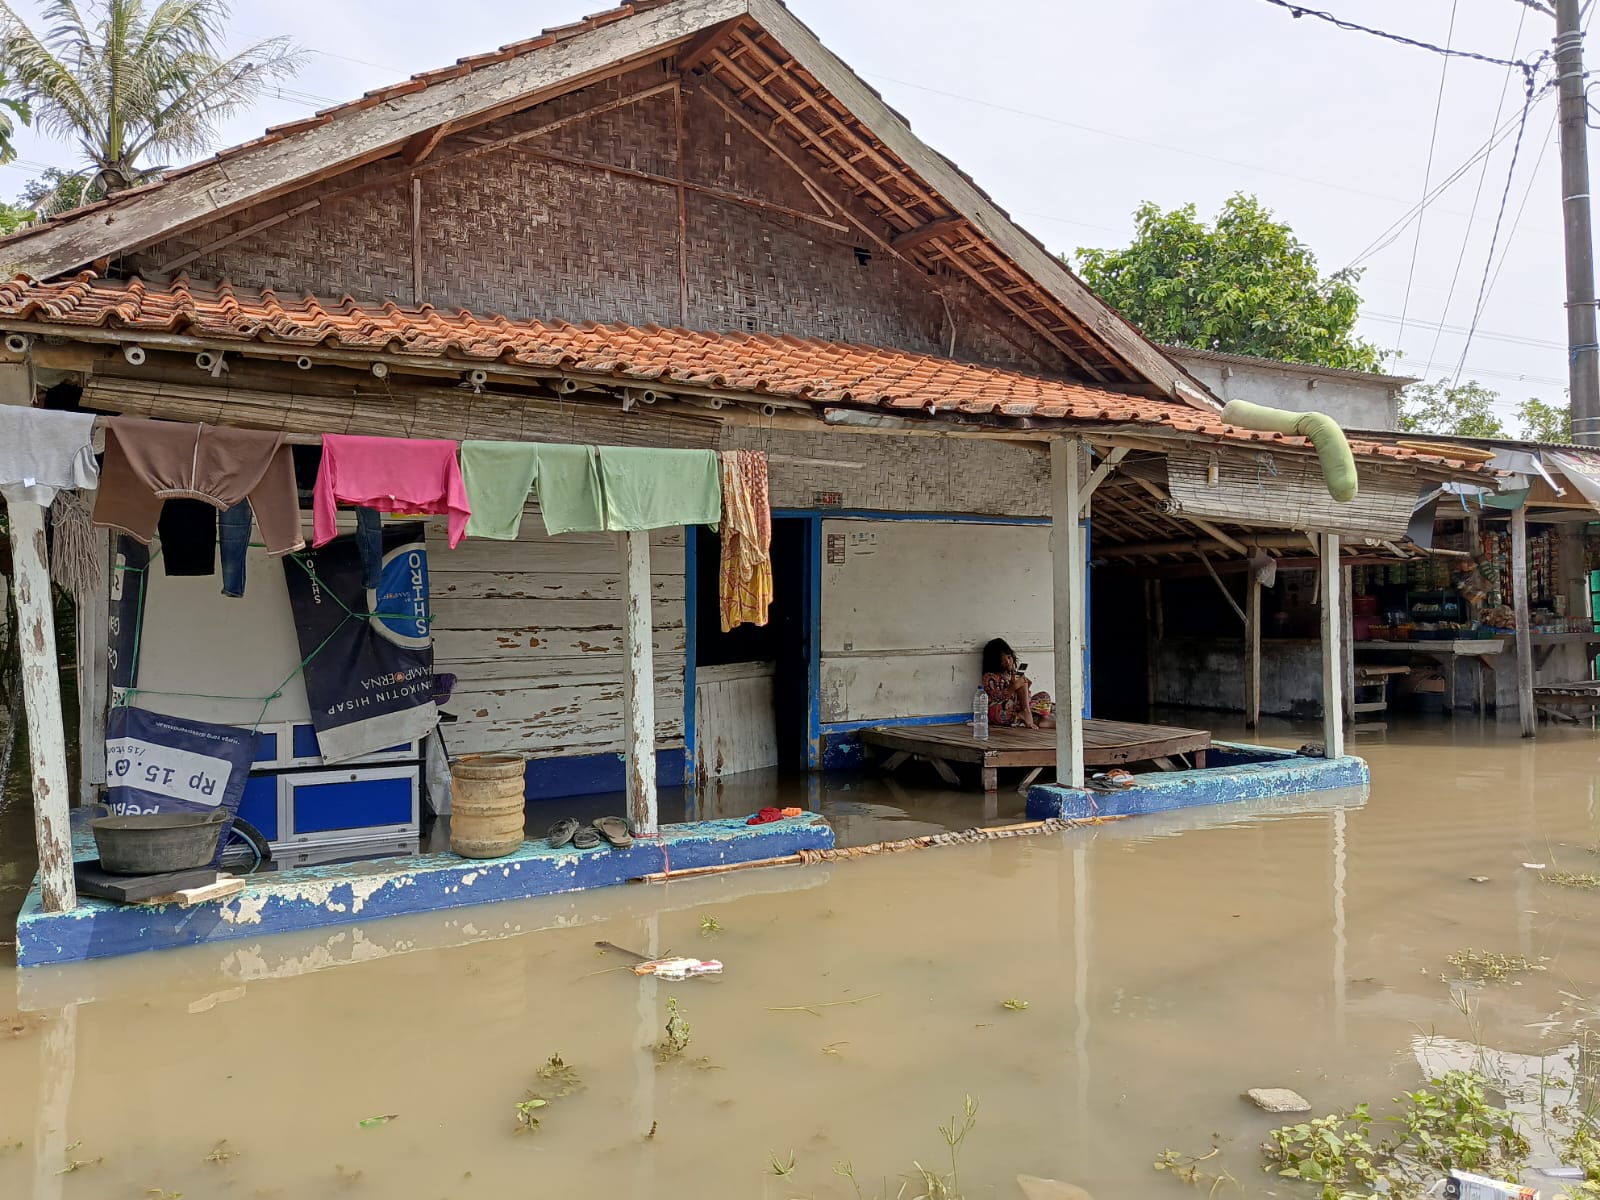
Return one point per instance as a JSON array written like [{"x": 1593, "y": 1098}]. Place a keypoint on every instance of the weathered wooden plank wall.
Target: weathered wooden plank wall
[{"x": 533, "y": 631}]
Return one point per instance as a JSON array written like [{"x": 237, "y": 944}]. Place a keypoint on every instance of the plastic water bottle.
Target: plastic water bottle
[{"x": 980, "y": 715}]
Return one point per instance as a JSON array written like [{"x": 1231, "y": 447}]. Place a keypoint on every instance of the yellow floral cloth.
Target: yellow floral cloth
[{"x": 746, "y": 581}]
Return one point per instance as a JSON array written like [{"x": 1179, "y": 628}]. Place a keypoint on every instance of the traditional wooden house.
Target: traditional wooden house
[{"x": 680, "y": 223}]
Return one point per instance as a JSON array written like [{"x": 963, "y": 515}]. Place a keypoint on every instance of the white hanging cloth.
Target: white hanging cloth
[{"x": 43, "y": 450}]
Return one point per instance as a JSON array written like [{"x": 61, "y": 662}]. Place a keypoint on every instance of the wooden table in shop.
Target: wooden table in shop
[
  {"x": 1105, "y": 744},
  {"x": 1479, "y": 650}
]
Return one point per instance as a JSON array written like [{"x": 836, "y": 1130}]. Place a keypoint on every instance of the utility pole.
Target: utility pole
[{"x": 1583, "y": 352}]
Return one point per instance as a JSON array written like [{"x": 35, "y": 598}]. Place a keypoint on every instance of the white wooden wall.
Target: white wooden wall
[
  {"x": 533, "y": 629},
  {"x": 735, "y": 725},
  {"x": 906, "y": 612}
]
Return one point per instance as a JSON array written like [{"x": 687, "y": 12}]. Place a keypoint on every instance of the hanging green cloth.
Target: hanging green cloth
[
  {"x": 656, "y": 489},
  {"x": 498, "y": 478},
  {"x": 569, "y": 488}
]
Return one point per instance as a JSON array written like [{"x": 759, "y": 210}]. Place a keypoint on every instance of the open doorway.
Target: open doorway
[{"x": 751, "y": 683}]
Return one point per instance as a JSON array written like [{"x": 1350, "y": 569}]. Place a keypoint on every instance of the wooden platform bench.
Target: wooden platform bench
[{"x": 1105, "y": 744}]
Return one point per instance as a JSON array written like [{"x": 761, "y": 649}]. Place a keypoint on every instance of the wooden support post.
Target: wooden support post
[
  {"x": 41, "y": 695},
  {"x": 1347, "y": 586},
  {"x": 93, "y": 674},
  {"x": 1066, "y": 575},
  {"x": 639, "y": 684},
  {"x": 1519, "y": 600},
  {"x": 1252, "y": 651},
  {"x": 1332, "y": 654}
]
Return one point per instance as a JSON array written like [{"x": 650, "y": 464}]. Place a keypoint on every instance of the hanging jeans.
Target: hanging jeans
[
  {"x": 233, "y": 532},
  {"x": 369, "y": 544}
]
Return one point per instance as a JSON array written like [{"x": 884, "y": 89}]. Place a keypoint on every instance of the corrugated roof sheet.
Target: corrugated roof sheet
[{"x": 819, "y": 372}]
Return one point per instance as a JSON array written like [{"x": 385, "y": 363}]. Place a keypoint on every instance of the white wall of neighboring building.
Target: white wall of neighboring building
[{"x": 1356, "y": 399}]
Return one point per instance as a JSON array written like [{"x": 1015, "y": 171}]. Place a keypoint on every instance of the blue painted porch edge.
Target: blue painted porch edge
[
  {"x": 315, "y": 897},
  {"x": 1235, "y": 771},
  {"x": 593, "y": 774}
]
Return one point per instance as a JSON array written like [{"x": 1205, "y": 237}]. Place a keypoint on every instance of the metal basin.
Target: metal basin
[{"x": 155, "y": 843}]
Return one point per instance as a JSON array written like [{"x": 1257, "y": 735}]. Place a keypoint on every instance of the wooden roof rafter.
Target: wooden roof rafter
[{"x": 768, "y": 83}]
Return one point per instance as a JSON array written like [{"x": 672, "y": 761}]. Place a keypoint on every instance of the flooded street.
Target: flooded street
[{"x": 1158, "y": 968}]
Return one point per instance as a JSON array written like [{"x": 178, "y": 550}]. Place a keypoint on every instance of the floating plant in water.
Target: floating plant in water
[
  {"x": 526, "y": 1121},
  {"x": 1575, "y": 879},
  {"x": 677, "y": 1030},
  {"x": 709, "y": 925},
  {"x": 1485, "y": 965},
  {"x": 1450, "y": 1124},
  {"x": 1014, "y": 1004},
  {"x": 565, "y": 1080}
]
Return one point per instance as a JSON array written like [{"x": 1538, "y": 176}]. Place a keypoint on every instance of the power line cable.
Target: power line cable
[
  {"x": 1392, "y": 233},
  {"x": 1494, "y": 238},
  {"x": 1477, "y": 195},
  {"x": 1486, "y": 335},
  {"x": 1517, "y": 220},
  {"x": 1526, "y": 66},
  {"x": 1427, "y": 172},
  {"x": 1186, "y": 151}
]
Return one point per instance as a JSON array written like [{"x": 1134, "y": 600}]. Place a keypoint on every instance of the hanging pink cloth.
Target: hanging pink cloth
[{"x": 392, "y": 475}]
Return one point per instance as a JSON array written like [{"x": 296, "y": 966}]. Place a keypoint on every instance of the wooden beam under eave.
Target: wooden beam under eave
[
  {"x": 693, "y": 52},
  {"x": 913, "y": 238},
  {"x": 419, "y": 145}
]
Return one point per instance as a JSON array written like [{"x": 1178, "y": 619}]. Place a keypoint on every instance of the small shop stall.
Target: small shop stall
[{"x": 1499, "y": 607}]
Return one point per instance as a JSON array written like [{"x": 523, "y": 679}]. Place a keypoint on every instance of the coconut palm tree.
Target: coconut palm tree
[
  {"x": 12, "y": 110},
  {"x": 128, "y": 80}
]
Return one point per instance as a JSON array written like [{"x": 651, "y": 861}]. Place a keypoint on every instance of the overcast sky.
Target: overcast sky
[{"x": 1071, "y": 112}]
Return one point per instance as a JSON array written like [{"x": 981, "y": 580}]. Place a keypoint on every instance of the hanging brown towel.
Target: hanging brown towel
[{"x": 148, "y": 463}]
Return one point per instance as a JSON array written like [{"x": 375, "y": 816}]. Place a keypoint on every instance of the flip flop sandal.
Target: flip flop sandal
[
  {"x": 615, "y": 831},
  {"x": 586, "y": 838},
  {"x": 561, "y": 832}
]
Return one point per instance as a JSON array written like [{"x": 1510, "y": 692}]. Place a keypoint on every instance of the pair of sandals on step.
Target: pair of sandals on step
[{"x": 611, "y": 830}]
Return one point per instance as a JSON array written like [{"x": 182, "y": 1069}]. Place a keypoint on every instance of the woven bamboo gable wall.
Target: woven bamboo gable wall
[{"x": 508, "y": 231}]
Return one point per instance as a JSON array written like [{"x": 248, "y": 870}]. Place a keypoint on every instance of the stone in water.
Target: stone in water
[
  {"x": 1278, "y": 1100},
  {"x": 1034, "y": 1188}
]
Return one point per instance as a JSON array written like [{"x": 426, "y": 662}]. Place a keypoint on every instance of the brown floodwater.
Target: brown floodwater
[{"x": 1167, "y": 964}]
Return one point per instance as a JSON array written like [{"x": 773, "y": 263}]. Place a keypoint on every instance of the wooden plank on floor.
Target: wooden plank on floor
[{"x": 1106, "y": 743}]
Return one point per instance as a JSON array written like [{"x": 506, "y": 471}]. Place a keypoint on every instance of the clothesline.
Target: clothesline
[{"x": 247, "y": 476}]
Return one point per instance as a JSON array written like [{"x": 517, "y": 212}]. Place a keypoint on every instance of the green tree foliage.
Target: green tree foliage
[
  {"x": 1464, "y": 409},
  {"x": 55, "y": 191},
  {"x": 1467, "y": 410},
  {"x": 1243, "y": 285},
  {"x": 1543, "y": 422},
  {"x": 127, "y": 80},
  {"x": 13, "y": 217},
  {"x": 12, "y": 111}
]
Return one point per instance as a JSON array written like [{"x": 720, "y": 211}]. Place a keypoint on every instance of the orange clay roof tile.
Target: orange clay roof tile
[{"x": 786, "y": 366}]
